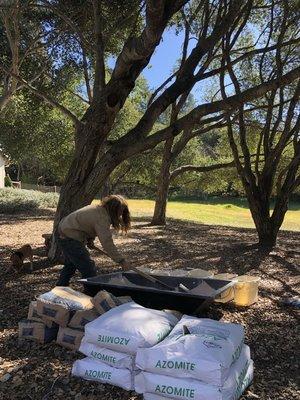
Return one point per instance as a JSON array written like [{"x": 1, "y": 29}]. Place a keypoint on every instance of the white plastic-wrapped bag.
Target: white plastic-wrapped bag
[
  {"x": 128, "y": 327},
  {"x": 151, "y": 396},
  {"x": 242, "y": 386},
  {"x": 68, "y": 298},
  {"x": 96, "y": 371},
  {"x": 106, "y": 356},
  {"x": 241, "y": 373},
  {"x": 248, "y": 378},
  {"x": 197, "y": 348}
]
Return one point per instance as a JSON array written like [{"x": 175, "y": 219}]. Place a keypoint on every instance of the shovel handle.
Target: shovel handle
[
  {"x": 141, "y": 273},
  {"x": 98, "y": 249},
  {"x": 151, "y": 278}
]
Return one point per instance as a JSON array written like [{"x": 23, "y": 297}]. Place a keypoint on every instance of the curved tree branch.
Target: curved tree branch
[
  {"x": 99, "y": 81},
  {"x": 194, "y": 117},
  {"x": 263, "y": 50},
  {"x": 183, "y": 57},
  {"x": 45, "y": 97},
  {"x": 137, "y": 51},
  {"x": 200, "y": 168},
  {"x": 127, "y": 146}
]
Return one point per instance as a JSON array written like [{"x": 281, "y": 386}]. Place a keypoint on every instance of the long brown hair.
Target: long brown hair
[{"x": 117, "y": 208}]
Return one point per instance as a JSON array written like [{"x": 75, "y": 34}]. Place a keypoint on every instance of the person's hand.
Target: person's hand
[{"x": 125, "y": 265}]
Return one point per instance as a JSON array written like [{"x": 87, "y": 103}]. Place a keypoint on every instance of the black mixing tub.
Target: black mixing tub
[{"x": 153, "y": 295}]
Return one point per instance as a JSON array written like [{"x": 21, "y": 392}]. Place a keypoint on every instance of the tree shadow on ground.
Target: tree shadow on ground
[
  {"x": 192, "y": 245},
  {"x": 45, "y": 214},
  {"x": 285, "y": 263}
]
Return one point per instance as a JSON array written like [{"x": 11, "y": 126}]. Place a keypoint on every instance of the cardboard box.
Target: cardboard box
[
  {"x": 32, "y": 312},
  {"x": 33, "y": 316},
  {"x": 38, "y": 331},
  {"x": 105, "y": 301},
  {"x": 59, "y": 304},
  {"x": 69, "y": 338},
  {"x": 82, "y": 317},
  {"x": 53, "y": 312}
]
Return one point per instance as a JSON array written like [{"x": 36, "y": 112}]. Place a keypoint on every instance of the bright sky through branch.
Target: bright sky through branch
[{"x": 163, "y": 61}]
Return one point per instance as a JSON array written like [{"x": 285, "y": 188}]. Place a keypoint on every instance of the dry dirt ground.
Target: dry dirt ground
[{"x": 43, "y": 371}]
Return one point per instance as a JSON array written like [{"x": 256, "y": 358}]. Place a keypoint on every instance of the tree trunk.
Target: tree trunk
[
  {"x": 106, "y": 189},
  {"x": 75, "y": 192},
  {"x": 159, "y": 216},
  {"x": 163, "y": 183},
  {"x": 267, "y": 234},
  {"x": 267, "y": 226},
  {"x": 19, "y": 171}
]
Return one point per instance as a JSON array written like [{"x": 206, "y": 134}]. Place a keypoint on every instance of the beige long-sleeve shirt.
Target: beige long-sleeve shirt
[{"x": 87, "y": 223}]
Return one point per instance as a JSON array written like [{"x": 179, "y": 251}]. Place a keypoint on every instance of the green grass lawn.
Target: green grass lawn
[{"x": 213, "y": 212}]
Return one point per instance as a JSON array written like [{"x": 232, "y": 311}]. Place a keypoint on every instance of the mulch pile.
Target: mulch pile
[{"x": 34, "y": 371}]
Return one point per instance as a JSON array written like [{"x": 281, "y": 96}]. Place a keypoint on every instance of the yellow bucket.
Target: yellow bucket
[
  {"x": 228, "y": 294},
  {"x": 246, "y": 290}
]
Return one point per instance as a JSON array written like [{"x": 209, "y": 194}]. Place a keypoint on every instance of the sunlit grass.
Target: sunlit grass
[{"x": 214, "y": 212}]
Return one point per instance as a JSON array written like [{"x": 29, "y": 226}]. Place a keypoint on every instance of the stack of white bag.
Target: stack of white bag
[
  {"x": 201, "y": 359},
  {"x": 112, "y": 340}
]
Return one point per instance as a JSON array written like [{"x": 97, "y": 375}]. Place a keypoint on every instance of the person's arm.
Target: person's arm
[{"x": 106, "y": 240}]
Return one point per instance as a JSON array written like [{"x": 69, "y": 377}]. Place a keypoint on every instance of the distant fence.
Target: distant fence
[{"x": 41, "y": 188}]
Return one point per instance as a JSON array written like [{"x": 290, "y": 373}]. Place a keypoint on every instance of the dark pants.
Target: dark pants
[{"x": 76, "y": 257}]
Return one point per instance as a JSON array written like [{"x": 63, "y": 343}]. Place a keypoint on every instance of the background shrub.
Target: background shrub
[
  {"x": 7, "y": 181},
  {"x": 18, "y": 200}
]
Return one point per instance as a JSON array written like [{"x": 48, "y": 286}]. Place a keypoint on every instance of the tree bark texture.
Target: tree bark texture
[{"x": 163, "y": 183}]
